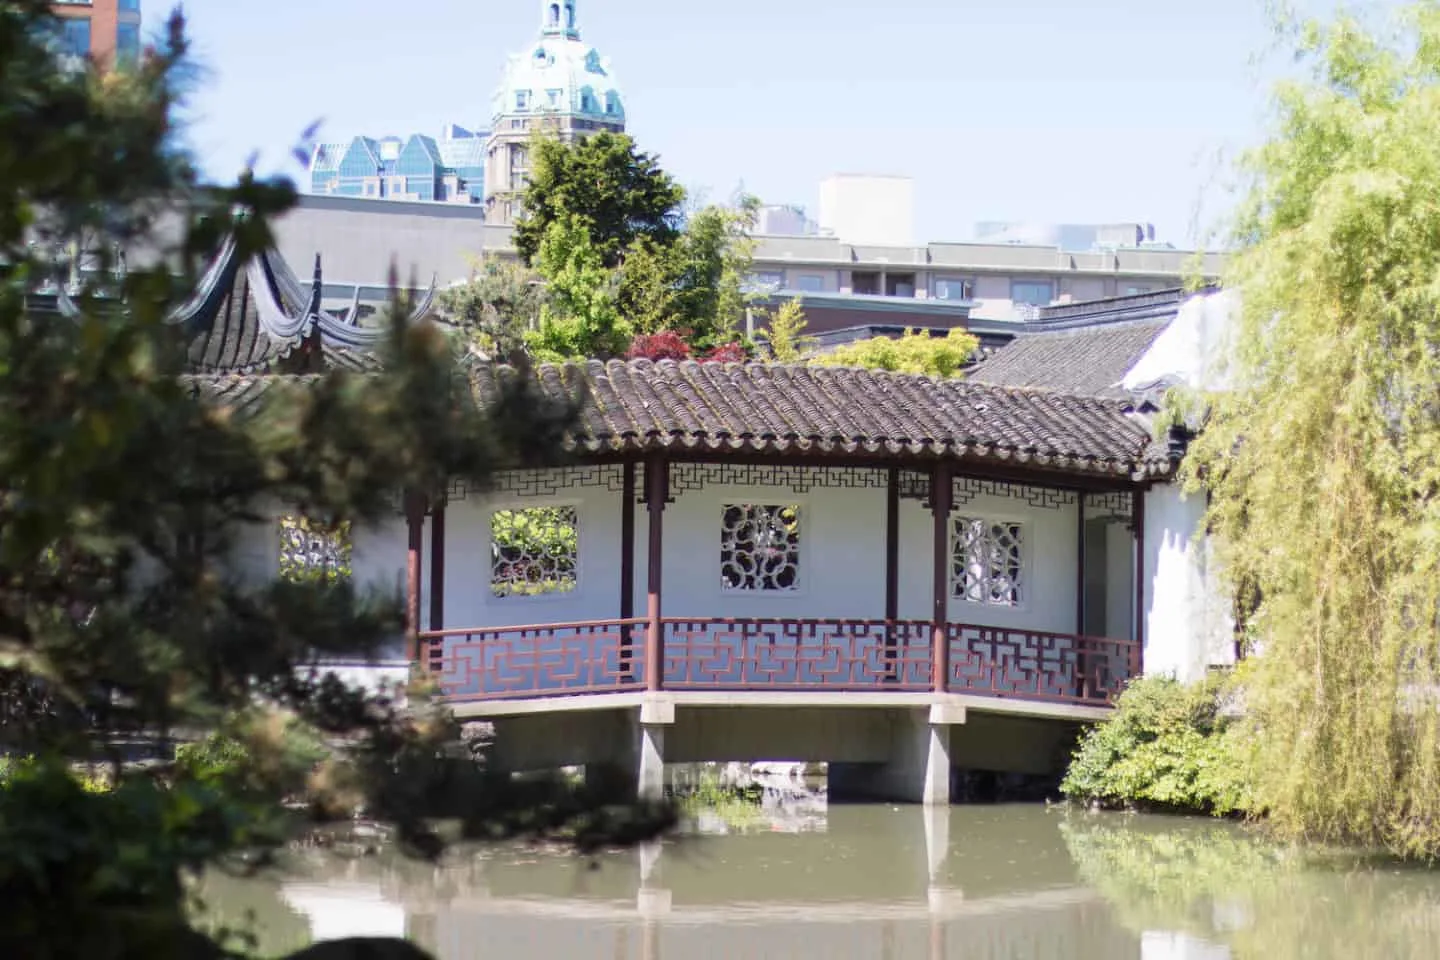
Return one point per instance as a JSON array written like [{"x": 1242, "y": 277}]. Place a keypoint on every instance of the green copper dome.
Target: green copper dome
[{"x": 559, "y": 74}]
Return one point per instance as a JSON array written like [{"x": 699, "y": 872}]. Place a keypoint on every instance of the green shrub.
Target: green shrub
[
  {"x": 1167, "y": 746},
  {"x": 913, "y": 352},
  {"x": 14, "y": 768},
  {"x": 258, "y": 755}
]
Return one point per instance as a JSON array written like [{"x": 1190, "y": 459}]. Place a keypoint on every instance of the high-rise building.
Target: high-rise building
[
  {"x": 106, "y": 30},
  {"x": 558, "y": 84}
]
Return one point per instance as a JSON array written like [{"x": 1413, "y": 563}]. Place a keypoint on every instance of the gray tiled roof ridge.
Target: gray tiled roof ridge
[{"x": 763, "y": 408}]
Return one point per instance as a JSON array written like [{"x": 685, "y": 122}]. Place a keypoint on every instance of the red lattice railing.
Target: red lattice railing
[
  {"x": 553, "y": 659},
  {"x": 748, "y": 654},
  {"x": 1032, "y": 664},
  {"x": 711, "y": 653}
]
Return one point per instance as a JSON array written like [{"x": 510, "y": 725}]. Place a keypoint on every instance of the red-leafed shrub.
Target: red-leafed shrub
[
  {"x": 727, "y": 353},
  {"x": 665, "y": 345}
]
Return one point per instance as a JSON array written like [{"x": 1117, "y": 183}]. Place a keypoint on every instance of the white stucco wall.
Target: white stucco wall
[
  {"x": 1188, "y": 626},
  {"x": 377, "y": 560},
  {"x": 1119, "y": 581},
  {"x": 469, "y": 601},
  {"x": 1049, "y": 552},
  {"x": 842, "y": 554},
  {"x": 842, "y": 566},
  {"x": 842, "y": 559}
]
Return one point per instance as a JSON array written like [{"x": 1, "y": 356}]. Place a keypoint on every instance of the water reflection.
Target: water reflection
[{"x": 873, "y": 881}]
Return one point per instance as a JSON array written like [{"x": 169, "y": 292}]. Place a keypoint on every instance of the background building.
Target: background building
[
  {"x": 108, "y": 30},
  {"x": 445, "y": 169},
  {"x": 841, "y": 283},
  {"x": 558, "y": 83}
]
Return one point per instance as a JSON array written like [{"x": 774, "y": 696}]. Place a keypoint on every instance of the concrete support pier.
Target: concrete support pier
[
  {"x": 655, "y": 717},
  {"x": 901, "y": 748},
  {"x": 918, "y": 770}
]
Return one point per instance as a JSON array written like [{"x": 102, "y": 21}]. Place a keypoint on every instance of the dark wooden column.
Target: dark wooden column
[
  {"x": 941, "y": 502},
  {"x": 892, "y": 573},
  {"x": 437, "y": 564},
  {"x": 415, "y": 522},
  {"x": 657, "y": 490},
  {"x": 1138, "y": 520},
  {"x": 1084, "y": 663},
  {"x": 1080, "y": 561},
  {"x": 627, "y": 568},
  {"x": 892, "y": 545}
]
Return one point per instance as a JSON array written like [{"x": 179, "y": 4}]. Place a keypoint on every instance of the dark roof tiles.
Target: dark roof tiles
[
  {"x": 1084, "y": 362},
  {"x": 641, "y": 406}
]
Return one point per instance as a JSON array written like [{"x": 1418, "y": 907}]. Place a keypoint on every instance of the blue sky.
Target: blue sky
[{"x": 1044, "y": 110}]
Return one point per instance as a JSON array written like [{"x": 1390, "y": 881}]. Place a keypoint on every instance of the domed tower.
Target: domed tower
[{"x": 559, "y": 85}]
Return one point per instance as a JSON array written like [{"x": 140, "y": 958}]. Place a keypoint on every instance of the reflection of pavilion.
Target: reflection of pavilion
[
  {"x": 688, "y": 899},
  {"x": 338, "y": 909}
]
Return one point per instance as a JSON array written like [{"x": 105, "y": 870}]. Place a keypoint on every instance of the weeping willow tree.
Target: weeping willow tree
[{"x": 1323, "y": 456}]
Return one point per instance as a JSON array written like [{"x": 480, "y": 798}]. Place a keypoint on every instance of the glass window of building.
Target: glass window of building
[
  {"x": 130, "y": 6},
  {"x": 764, "y": 280},
  {"x": 127, "y": 42},
  {"x": 522, "y": 99},
  {"x": 810, "y": 282},
  {"x": 900, "y": 285},
  {"x": 1037, "y": 293},
  {"x": 864, "y": 282},
  {"x": 75, "y": 36},
  {"x": 954, "y": 288}
]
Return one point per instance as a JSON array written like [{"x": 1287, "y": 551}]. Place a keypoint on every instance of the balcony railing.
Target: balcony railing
[{"x": 725, "y": 654}]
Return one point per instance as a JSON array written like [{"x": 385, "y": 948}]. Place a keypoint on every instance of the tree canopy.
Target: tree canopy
[
  {"x": 1323, "y": 461},
  {"x": 124, "y": 492},
  {"x": 913, "y": 352},
  {"x": 615, "y": 256},
  {"x": 497, "y": 307},
  {"x": 614, "y": 191}
]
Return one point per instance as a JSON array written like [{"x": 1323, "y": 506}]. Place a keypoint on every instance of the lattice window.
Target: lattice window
[
  {"x": 760, "y": 547},
  {"x": 534, "y": 551},
  {"x": 987, "y": 562},
  {"x": 314, "y": 551}
]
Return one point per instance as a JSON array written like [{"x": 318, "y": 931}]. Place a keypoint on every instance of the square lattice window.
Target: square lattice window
[
  {"x": 534, "y": 551},
  {"x": 311, "y": 550},
  {"x": 987, "y": 563},
  {"x": 760, "y": 547}
]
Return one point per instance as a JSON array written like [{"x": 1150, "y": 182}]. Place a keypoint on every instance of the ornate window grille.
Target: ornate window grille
[
  {"x": 987, "y": 562},
  {"x": 760, "y": 547},
  {"x": 314, "y": 551},
  {"x": 534, "y": 551}
]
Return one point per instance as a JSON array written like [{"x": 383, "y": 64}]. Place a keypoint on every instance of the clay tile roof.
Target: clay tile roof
[
  {"x": 230, "y": 336},
  {"x": 641, "y": 406},
  {"x": 1085, "y": 362}
]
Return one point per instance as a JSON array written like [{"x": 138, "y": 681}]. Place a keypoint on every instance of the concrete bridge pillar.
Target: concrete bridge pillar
[
  {"x": 655, "y": 716},
  {"x": 919, "y": 767}
]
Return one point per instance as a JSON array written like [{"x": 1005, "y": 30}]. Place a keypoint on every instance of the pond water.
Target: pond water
[{"x": 865, "y": 882}]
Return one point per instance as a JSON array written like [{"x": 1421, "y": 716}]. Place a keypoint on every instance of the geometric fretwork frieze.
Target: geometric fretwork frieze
[
  {"x": 551, "y": 482},
  {"x": 915, "y": 485},
  {"x": 1117, "y": 506},
  {"x": 1041, "y": 498},
  {"x": 686, "y": 477}
]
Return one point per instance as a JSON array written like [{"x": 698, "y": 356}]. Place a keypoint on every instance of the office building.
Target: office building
[
  {"x": 108, "y": 31},
  {"x": 558, "y": 84}
]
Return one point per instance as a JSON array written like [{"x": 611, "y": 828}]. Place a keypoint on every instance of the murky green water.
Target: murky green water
[{"x": 869, "y": 882}]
